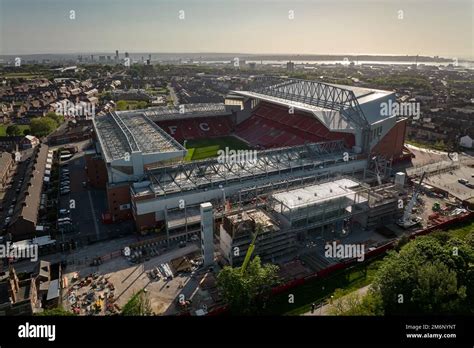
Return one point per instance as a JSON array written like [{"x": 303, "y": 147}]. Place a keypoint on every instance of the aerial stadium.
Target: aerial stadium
[{"x": 323, "y": 151}]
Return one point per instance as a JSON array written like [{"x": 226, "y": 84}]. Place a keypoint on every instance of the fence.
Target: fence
[{"x": 346, "y": 264}]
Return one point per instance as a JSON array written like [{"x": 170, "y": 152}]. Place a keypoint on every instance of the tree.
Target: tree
[
  {"x": 427, "y": 276},
  {"x": 57, "y": 312},
  {"x": 13, "y": 130},
  {"x": 42, "y": 126},
  {"x": 246, "y": 293},
  {"x": 139, "y": 304},
  {"x": 437, "y": 290},
  {"x": 356, "y": 304},
  {"x": 58, "y": 119},
  {"x": 122, "y": 105}
]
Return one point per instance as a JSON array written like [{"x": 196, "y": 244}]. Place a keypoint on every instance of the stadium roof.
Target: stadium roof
[
  {"x": 363, "y": 95},
  {"x": 336, "y": 106},
  {"x": 162, "y": 113},
  {"x": 122, "y": 133},
  {"x": 211, "y": 173}
]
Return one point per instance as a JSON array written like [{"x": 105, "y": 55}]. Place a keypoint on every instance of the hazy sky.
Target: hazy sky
[{"x": 427, "y": 27}]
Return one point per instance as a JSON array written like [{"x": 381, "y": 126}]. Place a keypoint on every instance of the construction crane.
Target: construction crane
[
  {"x": 250, "y": 250},
  {"x": 377, "y": 170},
  {"x": 406, "y": 221}
]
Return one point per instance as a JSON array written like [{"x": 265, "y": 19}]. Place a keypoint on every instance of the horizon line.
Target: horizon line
[{"x": 246, "y": 54}]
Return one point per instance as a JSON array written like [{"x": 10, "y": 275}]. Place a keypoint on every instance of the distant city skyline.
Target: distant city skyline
[{"x": 387, "y": 27}]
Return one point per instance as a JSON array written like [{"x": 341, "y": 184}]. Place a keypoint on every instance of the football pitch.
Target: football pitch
[{"x": 200, "y": 149}]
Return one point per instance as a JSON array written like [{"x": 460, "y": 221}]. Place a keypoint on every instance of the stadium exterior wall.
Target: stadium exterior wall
[
  {"x": 96, "y": 171},
  {"x": 118, "y": 201},
  {"x": 391, "y": 145}
]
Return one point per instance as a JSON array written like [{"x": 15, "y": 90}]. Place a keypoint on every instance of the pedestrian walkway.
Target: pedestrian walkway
[{"x": 325, "y": 308}]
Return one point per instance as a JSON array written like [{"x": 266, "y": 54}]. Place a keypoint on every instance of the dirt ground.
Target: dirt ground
[{"x": 127, "y": 279}]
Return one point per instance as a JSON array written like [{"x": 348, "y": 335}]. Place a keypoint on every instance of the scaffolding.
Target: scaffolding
[
  {"x": 309, "y": 203},
  {"x": 380, "y": 203},
  {"x": 433, "y": 168}
]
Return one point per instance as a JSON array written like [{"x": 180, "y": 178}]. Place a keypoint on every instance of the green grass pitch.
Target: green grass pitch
[{"x": 199, "y": 149}]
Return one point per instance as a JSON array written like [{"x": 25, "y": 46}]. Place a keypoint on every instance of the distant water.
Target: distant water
[{"x": 468, "y": 65}]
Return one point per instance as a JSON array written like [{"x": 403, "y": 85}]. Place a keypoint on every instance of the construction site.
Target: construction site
[{"x": 333, "y": 173}]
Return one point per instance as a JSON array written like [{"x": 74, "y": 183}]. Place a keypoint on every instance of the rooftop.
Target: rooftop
[
  {"x": 122, "y": 133},
  {"x": 30, "y": 195},
  {"x": 5, "y": 161},
  {"x": 315, "y": 194},
  {"x": 162, "y": 113}
]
